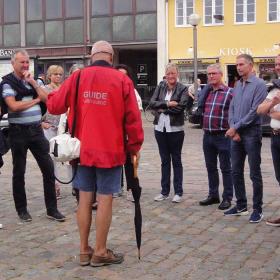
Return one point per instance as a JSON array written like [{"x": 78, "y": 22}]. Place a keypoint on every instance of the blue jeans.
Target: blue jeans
[
  {"x": 170, "y": 147},
  {"x": 275, "y": 151},
  {"x": 215, "y": 146},
  {"x": 250, "y": 144},
  {"x": 31, "y": 137}
]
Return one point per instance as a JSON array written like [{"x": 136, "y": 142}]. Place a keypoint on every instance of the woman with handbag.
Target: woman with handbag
[
  {"x": 169, "y": 102},
  {"x": 50, "y": 122}
]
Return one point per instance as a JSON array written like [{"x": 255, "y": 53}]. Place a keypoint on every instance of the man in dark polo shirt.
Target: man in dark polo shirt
[
  {"x": 215, "y": 144},
  {"x": 22, "y": 95},
  {"x": 246, "y": 135}
]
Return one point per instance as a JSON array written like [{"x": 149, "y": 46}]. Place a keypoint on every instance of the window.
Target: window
[
  {"x": 100, "y": 7},
  {"x": 211, "y": 8},
  {"x": 34, "y": 9},
  {"x": 274, "y": 10},
  {"x": 11, "y": 11},
  {"x": 146, "y": 5},
  {"x": 53, "y": 9},
  {"x": 123, "y": 20},
  {"x": 183, "y": 9},
  {"x": 245, "y": 11}
]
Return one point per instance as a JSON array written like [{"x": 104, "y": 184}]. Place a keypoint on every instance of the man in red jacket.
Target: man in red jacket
[{"x": 108, "y": 125}]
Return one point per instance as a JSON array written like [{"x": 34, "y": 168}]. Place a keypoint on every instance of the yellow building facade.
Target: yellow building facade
[{"x": 227, "y": 29}]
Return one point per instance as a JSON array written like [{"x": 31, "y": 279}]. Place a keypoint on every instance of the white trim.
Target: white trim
[
  {"x": 213, "y": 13},
  {"x": 22, "y": 24},
  {"x": 245, "y": 13},
  {"x": 277, "y": 10}
]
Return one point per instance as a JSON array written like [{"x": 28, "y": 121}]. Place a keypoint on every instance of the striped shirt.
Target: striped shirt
[
  {"x": 215, "y": 117},
  {"x": 28, "y": 116}
]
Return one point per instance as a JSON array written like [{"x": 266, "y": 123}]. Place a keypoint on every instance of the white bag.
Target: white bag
[{"x": 64, "y": 148}]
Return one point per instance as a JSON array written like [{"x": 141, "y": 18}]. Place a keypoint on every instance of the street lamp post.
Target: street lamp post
[{"x": 194, "y": 20}]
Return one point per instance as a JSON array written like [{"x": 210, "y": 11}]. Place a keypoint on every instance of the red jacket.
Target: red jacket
[{"x": 106, "y": 111}]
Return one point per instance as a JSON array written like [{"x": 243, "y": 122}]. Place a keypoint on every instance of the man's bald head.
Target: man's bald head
[{"x": 102, "y": 50}]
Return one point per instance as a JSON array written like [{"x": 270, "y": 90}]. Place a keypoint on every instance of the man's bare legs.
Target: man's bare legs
[
  {"x": 84, "y": 217},
  {"x": 103, "y": 222}
]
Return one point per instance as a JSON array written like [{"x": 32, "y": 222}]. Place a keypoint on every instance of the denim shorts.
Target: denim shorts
[{"x": 101, "y": 180}]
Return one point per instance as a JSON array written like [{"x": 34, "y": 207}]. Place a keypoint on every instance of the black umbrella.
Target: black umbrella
[{"x": 133, "y": 184}]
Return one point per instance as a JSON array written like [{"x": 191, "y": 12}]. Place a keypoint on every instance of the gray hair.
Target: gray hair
[
  {"x": 76, "y": 67},
  {"x": 171, "y": 65},
  {"x": 21, "y": 51},
  {"x": 216, "y": 66},
  {"x": 247, "y": 57}
]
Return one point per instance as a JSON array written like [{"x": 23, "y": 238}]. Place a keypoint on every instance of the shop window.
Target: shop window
[
  {"x": 146, "y": 5},
  {"x": 101, "y": 29},
  {"x": 74, "y": 8},
  {"x": 273, "y": 10},
  {"x": 11, "y": 11},
  {"x": 212, "y": 8},
  {"x": 34, "y": 9},
  {"x": 53, "y": 9},
  {"x": 11, "y": 35},
  {"x": 122, "y": 28},
  {"x": 54, "y": 32},
  {"x": 183, "y": 9},
  {"x": 245, "y": 11},
  {"x": 100, "y": 7},
  {"x": 35, "y": 33},
  {"x": 146, "y": 25},
  {"x": 74, "y": 31},
  {"x": 122, "y": 6}
]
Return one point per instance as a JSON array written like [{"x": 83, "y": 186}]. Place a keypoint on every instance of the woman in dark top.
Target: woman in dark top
[{"x": 169, "y": 102}]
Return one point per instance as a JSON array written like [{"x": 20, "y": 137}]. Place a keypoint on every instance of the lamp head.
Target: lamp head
[{"x": 194, "y": 19}]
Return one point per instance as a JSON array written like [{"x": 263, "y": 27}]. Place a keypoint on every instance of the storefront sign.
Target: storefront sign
[
  {"x": 6, "y": 52},
  {"x": 235, "y": 51},
  {"x": 199, "y": 61}
]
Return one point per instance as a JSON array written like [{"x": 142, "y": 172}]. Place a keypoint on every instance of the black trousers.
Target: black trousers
[{"x": 22, "y": 139}]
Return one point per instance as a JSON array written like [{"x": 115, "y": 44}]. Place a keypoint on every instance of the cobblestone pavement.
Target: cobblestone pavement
[{"x": 180, "y": 241}]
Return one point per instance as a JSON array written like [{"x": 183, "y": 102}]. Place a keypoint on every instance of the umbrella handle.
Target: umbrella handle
[{"x": 134, "y": 162}]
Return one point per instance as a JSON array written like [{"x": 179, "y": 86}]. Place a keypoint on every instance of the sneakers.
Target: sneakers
[
  {"x": 177, "y": 198},
  {"x": 161, "y": 197},
  {"x": 24, "y": 216},
  {"x": 111, "y": 258},
  {"x": 273, "y": 222},
  {"x": 55, "y": 215},
  {"x": 256, "y": 216},
  {"x": 235, "y": 212}
]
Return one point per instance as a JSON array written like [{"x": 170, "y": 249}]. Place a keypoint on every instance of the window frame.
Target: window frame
[
  {"x": 185, "y": 24},
  {"x": 63, "y": 19},
  {"x": 245, "y": 22},
  {"x": 278, "y": 12},
  {"x": 213, "y": 23}
]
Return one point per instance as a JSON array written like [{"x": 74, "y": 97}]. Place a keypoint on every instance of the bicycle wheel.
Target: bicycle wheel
[{"x": 149, "y": 114}]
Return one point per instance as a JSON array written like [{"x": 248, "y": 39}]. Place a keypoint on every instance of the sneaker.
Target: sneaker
[
  {"x": 273, "y": 222},
  {"x": 177, "y": 198},
  {"x": 161, "y": 197},
  {"x": 56, "y": 215},
  {"x": 235, "y": 212},
  {"x": 129, "y": 196},
  {"x": 25, "y": 216},
  {"x": 111, "y": 258},
  {"x": 256, "y": 216}
]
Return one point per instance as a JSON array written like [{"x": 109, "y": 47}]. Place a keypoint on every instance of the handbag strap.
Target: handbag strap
[{"x": 75, "y": 104}]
